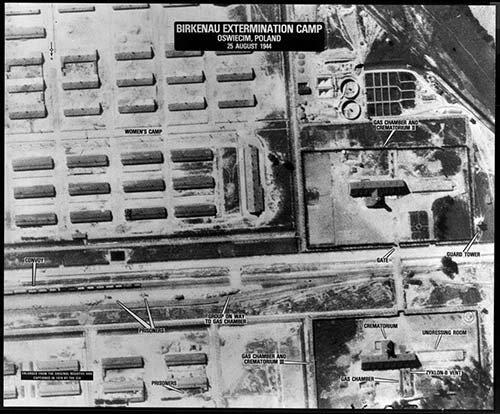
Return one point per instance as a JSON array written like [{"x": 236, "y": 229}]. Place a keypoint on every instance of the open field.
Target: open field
[{"x": 438, "y": 196}]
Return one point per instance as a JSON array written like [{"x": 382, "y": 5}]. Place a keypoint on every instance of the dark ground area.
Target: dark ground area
[
  {"x": 452, "y": 130},
  {"x": 330, "y": 338},
  {"x": 166, "y": 252},
  {"x": 278, "y": 143},
  {"x": 474, "y": 390},
  {"x": 451, "y": 219},
  {"x": 485, "y": 206},
  {"x": 366, "y": 295}
]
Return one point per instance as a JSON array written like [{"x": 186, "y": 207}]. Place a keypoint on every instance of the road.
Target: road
[
  {"x": 350, "y": 259},
  {"x": 332, "y": 267},
  {"x": 294, "y": 135}
]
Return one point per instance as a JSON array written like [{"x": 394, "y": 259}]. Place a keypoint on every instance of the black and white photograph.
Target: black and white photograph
[{"x": 264, "y": 206}]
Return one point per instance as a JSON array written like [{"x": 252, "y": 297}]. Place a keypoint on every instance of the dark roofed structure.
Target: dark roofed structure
[
  {"x": 131, "y": 6},
  {"x": 194, "y": 358},
  {"x": 181, "y": 79},
  {"x": 195, "y": 210},
  {"x": 59, "y": 389},
  {"x": 36, "y": 220},
  {"x": 243, "y": 75},
  {"x": 79, "y": 57},
  {"x": 198, "y": 104},
  {"x": 87, "y": 161},
  {"x": 192, "y": 382},
  {"x": 144, "y": 185},
  {"x": 9, "y": 368},
  {"x": 382, "y": 187},
  {"x": 238, "y": 103},
  {"x": 76, "y": 9},
  {"x": 30, "y": 111},
  {"x": 25, "y": 85},
  {"x": 145, "y": 213},
  {"x": 33, "y": 163},
  {"x": 23, "y": 32},
  {"x": 80, "y": 189},
  {"x": 90, "y": 216},
  {"x": 192, "y": 155},
  {"x": 34, "y": 58},
  {"x": 122, "y": 362},
  {"x": 254, "y": 189},
  {"x": 35, "y": 191},
  {"x": 381, "y": 362},
  {"x": 90, "y": 110},
  {"x": 138, "y": 158},
  {"x": 9, "y": 392},
  {"x": 118, "y": 387},
  {"x": 141, "y": 105},
  {"x": 129, "y": 390},
  {"x": 388, "y": 359},
  {"x": 193, "y": 182},
  {"x": 20, "y": 12}
]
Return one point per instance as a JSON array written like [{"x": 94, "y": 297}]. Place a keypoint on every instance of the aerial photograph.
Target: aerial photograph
[{"x": 267, "y": 206}]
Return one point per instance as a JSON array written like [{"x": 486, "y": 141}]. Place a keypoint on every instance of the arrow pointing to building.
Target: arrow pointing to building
[{"x": 138, "y": 318}]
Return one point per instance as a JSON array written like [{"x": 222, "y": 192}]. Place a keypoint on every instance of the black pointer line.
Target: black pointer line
[
  {"x": 389, "y": 253},
  {"x": 466, "y": 249}
]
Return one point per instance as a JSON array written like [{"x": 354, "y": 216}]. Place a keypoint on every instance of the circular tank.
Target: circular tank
[
  {"x": 349, "y": 88},
  {"x": 351, "y": 110}
]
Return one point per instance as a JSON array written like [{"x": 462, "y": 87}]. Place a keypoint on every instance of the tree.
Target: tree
[
  {"x": 449, "y": 267},
  {"x": 473, "y": 390}
]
